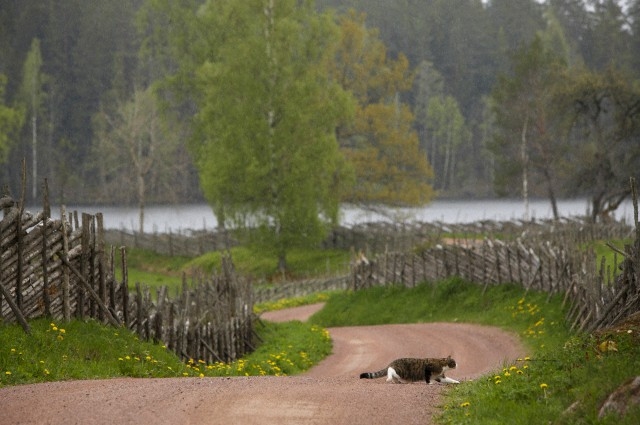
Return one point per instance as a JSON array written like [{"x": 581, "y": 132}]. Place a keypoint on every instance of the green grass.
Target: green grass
[
  {"x": 155, "y": 270},
  {"x": 291, "y": 302},
  {"x": 89, "y": 350},
  {"x": 263, "y": 265},
  {"x": 560, "y": 370}
]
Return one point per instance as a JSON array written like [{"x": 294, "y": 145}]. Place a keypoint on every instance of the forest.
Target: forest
[{"x": 138, "y": 101}]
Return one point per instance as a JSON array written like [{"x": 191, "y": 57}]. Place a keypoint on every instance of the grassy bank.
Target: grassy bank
[
  {"x": 89, "y": 350},
  {"x": 561, "y": 369},
  {"x": 155, "y": 270}
]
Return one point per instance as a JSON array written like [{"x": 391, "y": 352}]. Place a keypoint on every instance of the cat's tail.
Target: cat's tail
[{"x": 374, "y": 375}]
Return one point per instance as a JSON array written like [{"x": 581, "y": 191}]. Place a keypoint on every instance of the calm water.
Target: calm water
[{"x": 186, "y": 217}]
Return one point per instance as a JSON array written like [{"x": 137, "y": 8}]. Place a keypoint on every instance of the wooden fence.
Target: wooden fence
[
  {"x": 60, "y": 269},
  {"x": 543, "y": 259}
]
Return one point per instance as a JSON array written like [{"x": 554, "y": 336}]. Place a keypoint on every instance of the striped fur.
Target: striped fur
[{"x": 412, "y": 370}]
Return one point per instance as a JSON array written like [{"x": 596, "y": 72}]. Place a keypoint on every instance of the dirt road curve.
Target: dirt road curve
[{"x": 330, "y": 393}]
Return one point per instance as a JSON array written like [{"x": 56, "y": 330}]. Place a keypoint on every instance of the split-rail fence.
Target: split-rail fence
[
  {"x": 542, "y": 258},
  {"x": 61, "y": 269}
]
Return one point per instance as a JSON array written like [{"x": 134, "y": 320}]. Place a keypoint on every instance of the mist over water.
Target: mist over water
[{"x": 181, "y": 218}]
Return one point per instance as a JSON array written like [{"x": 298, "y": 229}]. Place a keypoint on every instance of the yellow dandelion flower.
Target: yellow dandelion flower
[
  {"x": 507, "y": 374},
  {"x": 62, "y": 331},
  {"x": 544, "y": 386},
  {"x": 465, "y": 404},
  {"x": 201, "y": 375},
  {"x": 8, "y": 372}
]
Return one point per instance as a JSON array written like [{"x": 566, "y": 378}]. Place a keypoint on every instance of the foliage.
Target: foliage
[
  {"x": 91, "y": 49},
  {"x": 602, "y": 112},
  {"x": 265, "y": 126},
  {"x": 448, "y": 137},
  {"x": 10, "y": 121},
  {"x": 89, "y": 350},
  {"x": 525, "y": 126},
  {"x": 134, "y": 145},
  {"x": 381, "y": 143}
]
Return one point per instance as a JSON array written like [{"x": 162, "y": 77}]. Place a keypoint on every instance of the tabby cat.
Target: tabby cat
[{"x": 411, "y": 370}]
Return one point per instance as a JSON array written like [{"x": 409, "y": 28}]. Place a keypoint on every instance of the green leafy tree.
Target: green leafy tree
[
  {"x": 448, "y": 136},
  {"x": 380, "y": 143},
  {"x": 526, "y": 128},
  {"x": 10, "y": 121},
  {"x": 602, "y": 112},
  {"x": 133, "y": 144},
  {"x": 267, "y": 113}
]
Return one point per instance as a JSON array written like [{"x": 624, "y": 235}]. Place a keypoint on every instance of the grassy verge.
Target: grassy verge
[
  {"x": 561, "y": 370},
  {"x": 89, "y": 350}
]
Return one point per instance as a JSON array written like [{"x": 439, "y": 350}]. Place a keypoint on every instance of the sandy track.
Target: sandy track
[{"x": 330, "y": 393}]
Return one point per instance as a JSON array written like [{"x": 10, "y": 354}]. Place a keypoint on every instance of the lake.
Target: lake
[{"x": 178, "y": 218}]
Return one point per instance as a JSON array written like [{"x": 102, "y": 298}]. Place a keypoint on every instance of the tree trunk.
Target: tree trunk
[{"x": 525, "y": 166}]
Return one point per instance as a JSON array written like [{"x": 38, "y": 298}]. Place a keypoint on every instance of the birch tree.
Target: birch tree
[
  {"x": 134, "y": 145},
  {"x": 264, "y": 138},
  {"x": 32, "y": 95}
]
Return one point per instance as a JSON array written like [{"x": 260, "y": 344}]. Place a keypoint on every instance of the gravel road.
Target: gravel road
[{"x": 330, "y": 393}]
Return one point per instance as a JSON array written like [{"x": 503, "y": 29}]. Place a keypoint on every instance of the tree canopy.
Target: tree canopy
[
  {"x": 265, "y": 127},
  {"x": 427, "y": 86}
]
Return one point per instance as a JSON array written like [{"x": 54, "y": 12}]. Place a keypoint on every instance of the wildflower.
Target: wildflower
[
  {"x": 148, "y": 358},
  {"x": 544, "y": 386},
  {"x": 62, "y": 331},
  {"x": 507, "y": 374},
  {"x": 127, "y": 357},
  {"x": 512, "y": 368},
  {"x": 201, "y": 375},
  {"x": 46, "y": 372},
  {"x": 13, "y": 350},
  {"x": 8, "y": 372},
  {"x": 465, "y": 404}
]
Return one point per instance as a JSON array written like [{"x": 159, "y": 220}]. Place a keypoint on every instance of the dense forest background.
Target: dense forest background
[{"x": 487, "y": 115}]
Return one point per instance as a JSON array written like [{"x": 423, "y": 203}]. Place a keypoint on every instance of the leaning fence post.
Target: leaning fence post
[{"x": 66, "y": 303}]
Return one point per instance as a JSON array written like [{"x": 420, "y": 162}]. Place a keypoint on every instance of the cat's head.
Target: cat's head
[{"x": 450, "y": 363}]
